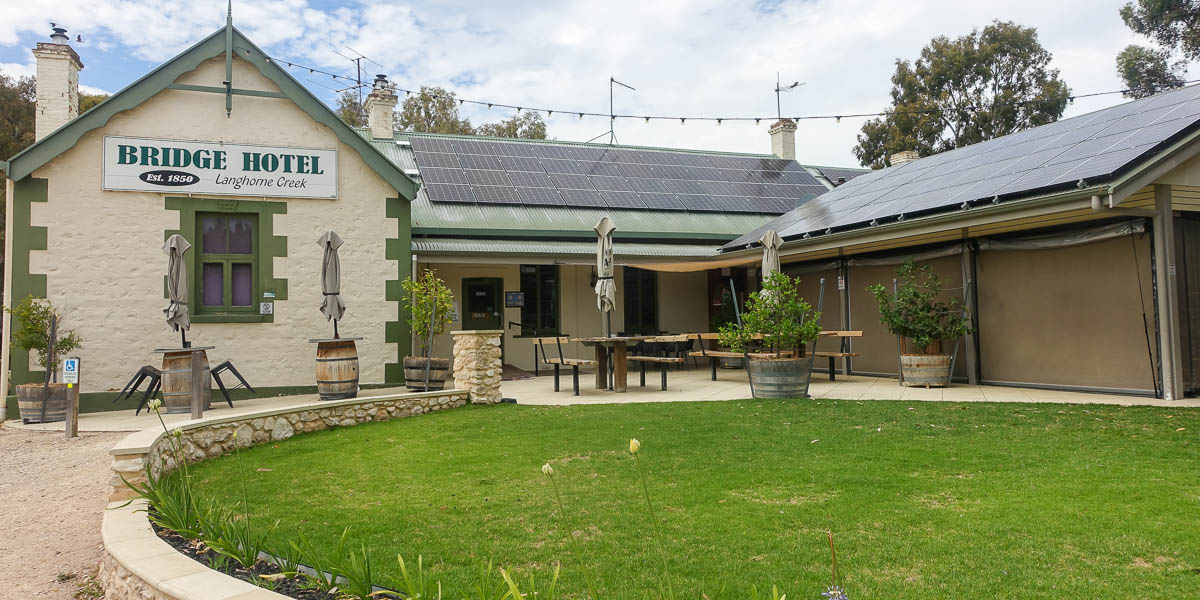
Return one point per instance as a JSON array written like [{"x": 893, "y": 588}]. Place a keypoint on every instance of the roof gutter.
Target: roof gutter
[{"x": 1032, "y": 206}]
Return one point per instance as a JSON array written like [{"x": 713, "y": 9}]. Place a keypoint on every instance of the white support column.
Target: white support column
[{"x": 1169, "y": 351}]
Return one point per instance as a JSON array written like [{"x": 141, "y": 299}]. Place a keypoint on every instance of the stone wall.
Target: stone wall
[{"x": 477, "y": 364}]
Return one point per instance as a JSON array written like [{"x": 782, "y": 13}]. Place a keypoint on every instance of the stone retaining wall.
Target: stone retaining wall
[{"x": 139, "y": 566}]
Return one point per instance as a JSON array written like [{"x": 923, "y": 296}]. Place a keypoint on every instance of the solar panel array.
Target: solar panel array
[
  {"x": 545, "y": 174},
  {"x": 1091, "y": 147}
]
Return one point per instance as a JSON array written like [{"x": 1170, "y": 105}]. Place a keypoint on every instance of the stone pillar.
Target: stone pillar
[
  {"x": 379, "y": 106},
  {"x": 477, "y": 364},
  {"x": 783, "y": 139},
  {"x": 57, "y": 84}
]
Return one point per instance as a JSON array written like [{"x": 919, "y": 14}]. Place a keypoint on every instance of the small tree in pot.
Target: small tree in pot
[
  {"x": 917, "y": 313},
  {"x": 430, "y": 306},
  {"x": 39, "y": 328},
  {"x": 785, "y": 323}
]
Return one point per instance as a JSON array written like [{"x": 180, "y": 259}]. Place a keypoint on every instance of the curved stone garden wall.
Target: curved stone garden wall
[{"x": 139, "y": 566}]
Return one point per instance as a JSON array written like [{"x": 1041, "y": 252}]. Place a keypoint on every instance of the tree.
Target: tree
[
  {"x": 1147, "y": 71},
  {"x": 432, "y": 110},
  {"x": 16, "y": 128},
  {"x": 350, "y": 110},
  {"x": 89, "y": 101},
  {"x": 986, "y": 84},
  {"x": 1172, "y": 25},
  {"x": 526, "y": 125}
]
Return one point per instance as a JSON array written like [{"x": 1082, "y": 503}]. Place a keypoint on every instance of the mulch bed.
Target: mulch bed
[{"x": 292, "y": 587}]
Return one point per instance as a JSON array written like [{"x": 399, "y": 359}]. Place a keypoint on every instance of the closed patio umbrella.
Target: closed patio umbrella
[
  {"x": 606, "y": 289},
  {"x": 332, "y": 305},
  {"x": 770, "y": 262},
  {"x": 177, "y": 287}
]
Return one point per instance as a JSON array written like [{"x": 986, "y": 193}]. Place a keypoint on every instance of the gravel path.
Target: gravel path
[{"x": 52, "y": 493}]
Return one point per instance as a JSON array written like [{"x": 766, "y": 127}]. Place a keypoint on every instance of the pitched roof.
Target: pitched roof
[
  {"x": 162, "y": 77},
  {"x": 1086, "y": 150},
  {"x": 601, "y": 167}
]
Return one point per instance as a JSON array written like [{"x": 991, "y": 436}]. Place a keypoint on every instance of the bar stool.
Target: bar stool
[
  {"x": 216, "y": 375},
  {"x": 146, "y": 373}
]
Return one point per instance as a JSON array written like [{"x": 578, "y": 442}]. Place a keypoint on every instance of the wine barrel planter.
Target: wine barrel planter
[
  {"x": 337, "y": 369},
  {"x": 177, "y": 382},
  {"x": 29, "y": 401},
  {"x": 779, "y": 377},
  {"x": 414, "y": 373},
  {"x": 925, "y": 370}
]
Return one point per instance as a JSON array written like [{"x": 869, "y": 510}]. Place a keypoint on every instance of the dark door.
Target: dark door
[
  {"x": 483, "y": 304},
  {"x": 1187, "y": 266}
]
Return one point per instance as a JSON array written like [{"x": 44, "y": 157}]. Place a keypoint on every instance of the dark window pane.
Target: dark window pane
[
  {"x": 212, "y": 288},
  {"x": 212, "y": 231},
  {"x": 242, "y": 284},
  {"x": 241, "y": 235}
]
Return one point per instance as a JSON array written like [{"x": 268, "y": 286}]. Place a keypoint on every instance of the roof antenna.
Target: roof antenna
[
  {"x": 612, "y": 117},
  {"x": 229, "y": 60},
  {"x": 779, "y": 89}
]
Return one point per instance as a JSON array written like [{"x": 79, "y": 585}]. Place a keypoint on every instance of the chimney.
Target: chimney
[
  {"x": 900, "y": 158},
  {"x": 380, "y": 105},
  {"x": 783, "y": 139},
  {"x": 57, "y": 83}
]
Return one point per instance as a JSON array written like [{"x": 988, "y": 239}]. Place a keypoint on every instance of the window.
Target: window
[
  {"x": 641, "y": 301},
  {"x": 227, "y": 275},
  {"x": 539, "y": 284}
]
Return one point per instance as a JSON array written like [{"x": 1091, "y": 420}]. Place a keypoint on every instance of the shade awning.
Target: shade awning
[{"x": 623, "y": 251}]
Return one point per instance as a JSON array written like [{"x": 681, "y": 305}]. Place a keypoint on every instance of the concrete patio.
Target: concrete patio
[{"x": 683, "y": 386}]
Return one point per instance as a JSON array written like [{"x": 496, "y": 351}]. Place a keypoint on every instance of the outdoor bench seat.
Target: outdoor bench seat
[
  {"x": 663, "y": 362},
  {"x": 561, "y": 361},
  {"x": 832, "y": 356}
]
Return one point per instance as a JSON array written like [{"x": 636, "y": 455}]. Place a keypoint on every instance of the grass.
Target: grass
[{"x": 926, "y": 500}]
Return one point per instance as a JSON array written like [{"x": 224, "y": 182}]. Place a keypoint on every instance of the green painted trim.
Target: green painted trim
[
  {"x": 94, "y": 402},
  {"x": 398, "y": 249},
  {"x": 64, "y": 138},
  {"x": 186, "y": 87},
  {"x": 649, "y": 236},
  {"x": 26, "y": 237},
  {"x": 270, "y": 246}
]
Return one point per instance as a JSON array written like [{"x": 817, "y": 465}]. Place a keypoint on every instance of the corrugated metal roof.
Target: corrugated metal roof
[{"x": 527, "y": 247}]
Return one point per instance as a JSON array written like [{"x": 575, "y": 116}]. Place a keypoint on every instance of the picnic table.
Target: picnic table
[
  {"x": 620, "y": 358},
  {"x": 714, "y": 354}
]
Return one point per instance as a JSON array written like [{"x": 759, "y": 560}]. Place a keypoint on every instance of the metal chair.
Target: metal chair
[
  {"x": 145, "y": 373},
  {"x": 216, "y": 375}
]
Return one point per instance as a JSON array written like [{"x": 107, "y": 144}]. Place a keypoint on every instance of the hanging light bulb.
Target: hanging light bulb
[
  {"x": 647, "y": 120},
  {"x": 682, "y": 120},
  {"x": 549, "y": 113},
  {"x": 580, "y": 116},
  {"x": 489, "y": 105},
  {"x": 839, "y": 118},
  {"x": 756, "y": 121},
  {"x": 718, "y": 122}
]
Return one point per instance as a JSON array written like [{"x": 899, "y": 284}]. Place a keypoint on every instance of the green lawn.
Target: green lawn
[{"x": 926, "y": 500}]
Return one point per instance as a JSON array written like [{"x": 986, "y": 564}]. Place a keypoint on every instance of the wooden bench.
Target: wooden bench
[
  {"x": 561, "y": 361},
  {"x": 662, "y": 361},
  {"x": 715, "y": 354}
]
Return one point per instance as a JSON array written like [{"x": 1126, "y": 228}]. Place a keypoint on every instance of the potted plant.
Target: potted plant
[
  {"x": 430, "y": 307},
  {"x": 916, "y": 312},
  {"x": 785, "y": 323},
  {"x": 39, "y": 328}
]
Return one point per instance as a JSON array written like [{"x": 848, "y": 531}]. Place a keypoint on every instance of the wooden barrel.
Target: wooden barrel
[
  {"x": 177, "y": 382},
  {"x": 414, "y": 373},
  {"x": 337, "y": 370},
  {"x": 925, "y": 370},
  {"x": 779, "y": 377},
  {"x": 29, "y": 401}
]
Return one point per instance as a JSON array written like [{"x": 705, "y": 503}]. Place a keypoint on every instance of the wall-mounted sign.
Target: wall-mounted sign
[
  {"x": 170, "y": 166},
  {"x": 514, "y": 299},
  {"x": 266, "y": 308}
]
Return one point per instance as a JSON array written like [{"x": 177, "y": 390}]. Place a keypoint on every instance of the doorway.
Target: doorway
[{"x": 482, "y": 305}]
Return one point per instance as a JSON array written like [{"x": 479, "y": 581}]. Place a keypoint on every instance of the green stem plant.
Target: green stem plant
[{"x": 634, "y": 447}]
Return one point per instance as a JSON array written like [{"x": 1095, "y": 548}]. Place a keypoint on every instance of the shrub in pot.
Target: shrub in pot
[
  {"x": 785, "y": 323},
  {"x": 917, "y": 313},
  {"x": 726, "y": 315},
  {"x": 430, "y": 307},
  {"x": 38, "y": 327}
]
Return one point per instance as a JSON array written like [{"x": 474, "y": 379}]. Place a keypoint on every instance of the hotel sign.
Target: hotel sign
[{"x": 169, "y": 166}]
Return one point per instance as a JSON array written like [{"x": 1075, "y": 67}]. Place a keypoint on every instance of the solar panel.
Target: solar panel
[
  {"x": 494, "y": 171},
  {"x": 1094, "y": 148}
]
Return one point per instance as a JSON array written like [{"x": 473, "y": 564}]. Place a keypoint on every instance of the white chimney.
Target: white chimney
[
  {"x": 783, "y": 139},
  {"x": 380, "y": 105},
  {"x": 58, "y": 69},
  {"x": 900, "y": 158}
]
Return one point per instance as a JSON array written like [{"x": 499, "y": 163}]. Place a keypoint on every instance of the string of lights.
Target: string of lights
[{"x": 682, "y": 120}]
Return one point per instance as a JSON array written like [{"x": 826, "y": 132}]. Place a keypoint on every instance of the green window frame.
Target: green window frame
[
  {"x": 266, "y": 247},
  {"x": 230, "y": 262},
  {"x": 541, "y": 286}
]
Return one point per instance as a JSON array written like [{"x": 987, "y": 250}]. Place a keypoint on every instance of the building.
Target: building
[
  {"x": 222, "y": 146},
  {"x": 1078, "y": 240}
]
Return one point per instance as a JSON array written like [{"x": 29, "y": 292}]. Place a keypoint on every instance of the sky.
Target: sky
[{"x": 698, "y": 58}]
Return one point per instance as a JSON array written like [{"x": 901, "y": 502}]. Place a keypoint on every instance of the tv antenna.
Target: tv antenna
[
  {"x": 358, "y": 83},
  {"x": 612, "y": 117},
  {"x": 779, "y": 89}
]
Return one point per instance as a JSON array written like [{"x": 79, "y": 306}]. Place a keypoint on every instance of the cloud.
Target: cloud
[{"x": 685, "y": 57}]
